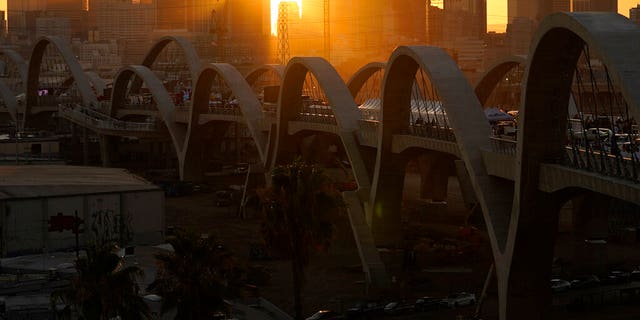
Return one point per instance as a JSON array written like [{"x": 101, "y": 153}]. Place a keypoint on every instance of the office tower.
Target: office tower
[
  {"x": 3, "y": 25},
  {"x": 595, "y": 5},
  {"x": 634, "y": 15},
  {"x": 435, "y": 22},
  {"x": 21, "y": 16},
  {"x": 129, "y": 24},
  {"x": 522, "y": 9}
]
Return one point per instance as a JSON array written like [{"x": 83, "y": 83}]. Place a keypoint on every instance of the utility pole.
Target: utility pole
[
  {"x": 327, "y": 31},
  {"x": 283, "y": 32}
]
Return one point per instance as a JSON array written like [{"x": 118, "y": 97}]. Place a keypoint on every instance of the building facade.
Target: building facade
[{"x": 634, "y": 14}]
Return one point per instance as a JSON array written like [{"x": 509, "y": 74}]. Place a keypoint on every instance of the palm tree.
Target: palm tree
[
  {"x": 300, "y": 208},
  {"x": 196, "y": 277},
  {"x": 103, "y": 288}
]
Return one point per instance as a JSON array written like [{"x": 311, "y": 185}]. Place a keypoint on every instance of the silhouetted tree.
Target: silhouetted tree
[
  {"x": 196, "y": 277},
  {"x": 102, "y": 288},
  {"x": 299, "y": 211}
]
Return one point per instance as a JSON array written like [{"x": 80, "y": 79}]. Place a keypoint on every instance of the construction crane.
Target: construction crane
[
  {"x": 283, "y": 32},
  {"x": 327, "y": 31}
]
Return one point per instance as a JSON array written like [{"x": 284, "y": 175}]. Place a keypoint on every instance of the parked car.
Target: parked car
[
  {"x": 429, "y": 303},
  {"x": 365, "y": 310},
  {"x": 325, "y": 315},
  {"x": 460, "y": 299},
  {"x": 584, "y": 282},
  {"x": 635, "y": 275},
  {"x": 224, "y": 198},
  {"x": 398, "y": 307},
  {"x": 559, "y": 285},
  {"x": 616, "y": 277}
]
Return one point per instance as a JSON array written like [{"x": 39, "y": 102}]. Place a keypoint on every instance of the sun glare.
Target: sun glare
[{"x": 274, "y": 13}]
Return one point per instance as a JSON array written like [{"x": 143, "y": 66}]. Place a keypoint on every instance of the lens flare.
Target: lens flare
[{"x": 274, "y": 13}]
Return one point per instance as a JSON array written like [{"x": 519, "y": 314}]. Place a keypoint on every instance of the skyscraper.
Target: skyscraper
[
  {"x": 595, "y": 5},
  {"x": 634, "y": 15}
]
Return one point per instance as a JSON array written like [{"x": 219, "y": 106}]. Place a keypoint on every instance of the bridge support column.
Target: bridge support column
[
  {"x": 590, "y": 222},
  {"x": 435, "y": 170},
  {"x": 524, "y": 273},
  {"x": 385, "y": 215},
  {"x": 106, "y": 149}
]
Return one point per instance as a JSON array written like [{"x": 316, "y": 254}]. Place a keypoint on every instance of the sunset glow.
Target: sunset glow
[{"x": 274, "y": 13}]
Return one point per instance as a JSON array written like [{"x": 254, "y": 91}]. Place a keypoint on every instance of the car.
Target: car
[
  {"x": 616, "y": 277},
  {"x": 365, "y": 310},
  {"x": 429, "y": 303},
  {"x": 398, "y": 307},
  {"x": 324, "y": 315},
  {"x": 559, "y": 285},
  {"x": 584, "y": 282},
  {"x": 224, "y": 198},
  {"x": 242, "y": 168},
  {"x": 635, "y": 275},
  {"x": 460, "y": 299}
]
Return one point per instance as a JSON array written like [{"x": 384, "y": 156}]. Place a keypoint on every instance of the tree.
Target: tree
[
  {"x": 299, "y": 210},
  {"x": 196, "y": 277},
  {"x": 103, "y": 288}
]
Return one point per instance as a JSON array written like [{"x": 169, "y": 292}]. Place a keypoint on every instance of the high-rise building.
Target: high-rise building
[
  {"x": 634, "y": 14},
  {"x": 54, "y": 26},
  {"x": 595, "y": 5},
  {"x": 129, "y": 24},
  {"x": 522, "y": 9},
  {"x": 3, "y": 25},
  {"x": 22, "y": 16}
]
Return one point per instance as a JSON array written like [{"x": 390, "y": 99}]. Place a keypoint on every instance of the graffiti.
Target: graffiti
[{"x": 109, "y": 226}]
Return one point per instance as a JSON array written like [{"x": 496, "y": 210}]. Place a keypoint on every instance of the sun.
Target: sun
[{"x": 274, "y": 13}]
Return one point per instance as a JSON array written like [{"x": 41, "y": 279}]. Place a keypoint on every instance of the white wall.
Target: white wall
[{"x": 25, "y": 223}]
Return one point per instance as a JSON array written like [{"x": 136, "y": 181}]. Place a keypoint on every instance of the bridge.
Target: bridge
[{"x": 583, "y": 68}]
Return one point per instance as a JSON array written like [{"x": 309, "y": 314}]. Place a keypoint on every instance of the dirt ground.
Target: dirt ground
[{"x": 335, "y": 279}]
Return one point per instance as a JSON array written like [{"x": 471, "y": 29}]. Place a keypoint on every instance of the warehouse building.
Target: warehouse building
[{"x": 53, "y": 208}]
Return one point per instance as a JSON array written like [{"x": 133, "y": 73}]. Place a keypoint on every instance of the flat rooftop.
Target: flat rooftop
[{"x": 30, "y": 181}]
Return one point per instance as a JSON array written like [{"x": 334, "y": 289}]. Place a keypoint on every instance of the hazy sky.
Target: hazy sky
[{"x": 496, "y": 11}]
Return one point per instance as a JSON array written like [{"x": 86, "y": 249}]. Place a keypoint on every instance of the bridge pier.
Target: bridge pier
[
  {"x": 106, "y": 149},
  {"x": 435, "y": 170},
  {"x": 524, "y": 272},
  {"x": 385, "y": 213},
  {"x": 590, "y": 222}
]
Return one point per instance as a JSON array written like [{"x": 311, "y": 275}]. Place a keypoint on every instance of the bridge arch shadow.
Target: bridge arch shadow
[{"x": 557, "y": 46}]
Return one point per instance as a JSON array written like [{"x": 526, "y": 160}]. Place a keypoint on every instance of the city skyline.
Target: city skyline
[{"x": 496, "y": 12}]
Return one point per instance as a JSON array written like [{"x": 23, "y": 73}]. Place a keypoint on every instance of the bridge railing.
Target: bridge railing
[
  {"x": 433, "y": 132},
  {"x": 504, "y": 146},
  {"x": 368, "y": 133},
  {"x": 218, "y": 107},
  {"x": 317, "y": 117},
  {"x": 102, "y": 121},
  {"x": 53, "y": 100},
  {"x": 602, "y": 162}
]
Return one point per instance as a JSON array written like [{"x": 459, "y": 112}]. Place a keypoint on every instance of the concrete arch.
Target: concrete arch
[
  {"x": 467, "y": 121},
  {"x": 253, "y": 75},
  {"x": 82, "y": 81},
  {"x": 163, "y": 101},
  {"x": 97, "y": 83},
  {"x": 361, "y": 76},
  {"x": 19, "y": 62},
  {"x": 494, "y": 74},
  {"x": 342, "y": 104},
  {"x": 10, "y": 102},
  {"x": 247, "y": 101},
  {"x": 556, "y": 48},
  {"x": 190, "y": 54}
]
